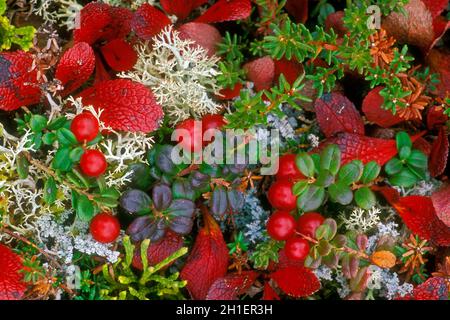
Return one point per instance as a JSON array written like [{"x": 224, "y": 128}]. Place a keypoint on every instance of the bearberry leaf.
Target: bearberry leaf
[
  {"x": 12, "y": 286},
  {"x": 372, "y": 108},
  {"x": 181, "y": 8},
  {"x": 231, "y": 286},
  {"x": 226, "y": 10},
  {"x": 439, "y": 154},
  {"x": 148, "y": 21},
  {"x": 119, "y": 55},
  {"x": 296, "y": 281},
  {"x": 441, "y": 203}
]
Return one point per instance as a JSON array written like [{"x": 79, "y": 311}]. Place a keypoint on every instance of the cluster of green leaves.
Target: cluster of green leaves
[
  {"x": 409, "y": 167},
  {"x": 230, "y": 49},
  {"x": 9, "y": 34},
  {"x": 266, "y": 252},
  {"x": 88, "y": 195},
  {"x": 326, "y": 178},
  {"x": 251, "y": 110},
  {"x": 126, "y": 284}
]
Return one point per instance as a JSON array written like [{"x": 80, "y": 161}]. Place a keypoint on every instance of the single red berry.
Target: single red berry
[
  {"x": 281, "y": 225},
  {"x": 212, "y": 121},
  {"x": 296, "y": 249},
  {"x": 190, "y": 135},
  {"x": 85, "y": 127},
  {"x": 281, "y": 197},
  {"x": 93, "y": 163},
  {"x": 308, "y": 223},
  {"x": 105, "y": 228},
  {"x": 287, "y": 168}
]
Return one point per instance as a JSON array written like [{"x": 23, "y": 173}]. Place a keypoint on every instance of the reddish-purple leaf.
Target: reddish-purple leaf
[
  {"x": 296, "y": 281},
  {"x": 231, "y": 286},
  {"x": 441, "y": 203},
  {"x": 148, "y": 21},
  {"x": 226, "y": 10},
  {"x": 439, "y": 154},
  {"x": 373, "y": 111}
]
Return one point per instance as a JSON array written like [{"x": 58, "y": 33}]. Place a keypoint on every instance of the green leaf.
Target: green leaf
[
  {"x": 417, "y": 159},
  {"x": 66, "y": 137},
  {"x": 420, "y": 173},
  {"x": 50, "y": 191},
  {"x": 49, "y": 138},
  {"x": 311, "y": 199},
  {"x": 324, "y": 179},
  {"x": 404, "y": 152},
  {"x": 340, "y": 193},
  {"x": 299, "y": 187},
  {"x": 330, "y": 159},
  {"x": 403, "y": 140},
  {"x": 38, "y": 123},
  {"x": 57, "y": 123},
  {"x": 62, "y": 160},
  {"x": 405, "y": 178},
  {"x": 394, "y": 166},
  {"x": 75, "y": 154},
  {"x": 23, "y": 167},
  {"x": 349, "y": 173},
  {"x": 370, "y": 172},
  {"x": 83, "y": 206},
  {"x": 365, "y": 198},
  {"x": 305, "y": 164}
]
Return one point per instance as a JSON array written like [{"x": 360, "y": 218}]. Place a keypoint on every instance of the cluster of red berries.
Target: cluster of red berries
[
  {"x": 194, "y": 141},
  {"x": 281, "y": 225},
  {"x": 104, "y": 227},
  {"x": 85, "y": 128}
]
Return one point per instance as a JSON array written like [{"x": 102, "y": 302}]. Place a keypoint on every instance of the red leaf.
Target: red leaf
[
  {"x": 100, "y": 71},
  {"x": 119, "y": 55},
  {"x": 366, "y": 149},
  {"x": 422, "y": 145},
  {"x": 433, "y": 289},
  {"x": 208, "y": 260},
  {"x": 226, "y": 10},
  {"x": 261, "y": 72},
  {"x": 158, "y": 251},
  {"x": 127, "y": 105},
  {"x": 290, "y": 69},
  {"x": 435, "y": 7},
  {"x": 439, "y": 154},
  {"x": 440, "y": 26},
  {"x": 284, "y": 261},
  {"x": 334, "y": 21},
  {"x": 148, "y": 21},
  {"x": 439, "y": 62},
  {"x": 120, "y": 25},
  {"x": 441, "y": 203},
  {"x": 269, "y": 293},
  {"x": 436, "y": 117},
  {"x": 227, "y": 93},
  {"x": 231, "y": 286},
  {"x": 11, "y": 285},
  {"x": 371, "y": 107},
  {"x": 296, "y": 281},
  {"x": 181, "y": 8},
  {"x": 204, "y": 35},
  {"x": 419, "y": 215},
  {"x": 75, "y": 67},
  {"x": 298, "y": 9},
  {"x": 18, "y": 84},
  {"x": 94, "y": 18},
  {"x": 335, "y": 113}
]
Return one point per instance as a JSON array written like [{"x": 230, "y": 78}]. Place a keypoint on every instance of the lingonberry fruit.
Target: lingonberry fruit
[
  {"x": 296, "y": 249},
  {"x": 281, "y": 225},
  {"x": 105, "y": 228},
  {"x": 191, "y": 139},
  {"x": 212, "y": 121},
  {"x": 281, "y": 197},
  {"x": 287, "y": 168},
  {"x": 85, "y": 127},
  {"x": 308, "y": 223},
  {"x": 93, "y": 163}
]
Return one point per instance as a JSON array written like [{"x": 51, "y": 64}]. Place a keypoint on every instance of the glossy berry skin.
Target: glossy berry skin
[
  {"x": 212, "y": 121},
  {"x": 191, "y": 139},
  {"x": 281, "y": 197},
  {"x": 296, "y": 249},
  {"x": 105, "y": 228},
  {"x": 281, "y": 225},
  {"x": 308, "y": 223},
  {"x": 93, "y": 163},
  {"x": 85, "y": 127},
  {"x": 287, "y": 169}
]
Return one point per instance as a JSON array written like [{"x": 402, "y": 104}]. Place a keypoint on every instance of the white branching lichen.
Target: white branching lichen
[
  {"x": 62, "y": 12},
  {"x": 181, "y": 75},
  {"x": 362, "y": 220}
]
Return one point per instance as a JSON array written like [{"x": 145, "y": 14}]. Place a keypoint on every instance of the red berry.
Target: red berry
[
  {"x": 281, "y": 225},
  {"x": 288, "y": 169},
  {"x": 85, "y": 127},
  {"x": 105, "y": 228},
  {"x": 308, "y": 223},
  {"x": 296, "y": 249},
  {"x": 212, "y": 121},
  {"x": 191, "y": 138},
  {"x": 93, "y": 163},
  {"x": 281, "y": 197}
]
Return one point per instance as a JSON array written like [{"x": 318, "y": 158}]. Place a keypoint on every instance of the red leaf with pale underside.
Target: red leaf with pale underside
[
  {"x": 226, "y": 10},
  {"x": 75, "y": 67},
  {"x": 127, "y": 105},
  {"x": 419, "y": 215},
  {"x": 148, "y": 21},
  {"x": 441, "y": 203},
  {"x": 11, "y": 285},
  {"x": 439, "y": 154},
  {"x": 208, "y": 260},
  {"x": 372, "y": 108},
  {"x": 439, "y": 62},
  {"x": 18, "y": 84},
  {"x": 335, "y": 113},
  {"x": 231, "y": 286},
  {"x": 296, "y": 281},
  {"x": 204, "y": 35},
  {"x": 94, "y": 18},
  {"x": 261, "y": 72},
  {"x": 119, "y": 55},
  {"x": 181, "y": 8},
  {"x": 158, "y": 251}
]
